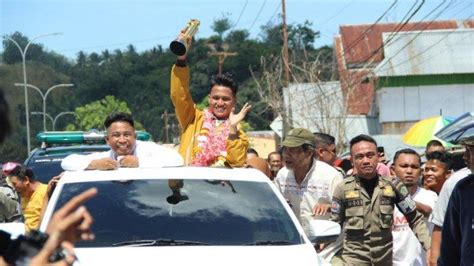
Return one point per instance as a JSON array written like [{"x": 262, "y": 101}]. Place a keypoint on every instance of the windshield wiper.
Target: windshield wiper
[
  {"x": 271, "y": 243},
  {"x": 159, "y": 242},
  {"x": 136, "y": 243}
]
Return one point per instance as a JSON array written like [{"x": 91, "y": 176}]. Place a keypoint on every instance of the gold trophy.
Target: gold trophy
[{"x": 180, "y": 45}]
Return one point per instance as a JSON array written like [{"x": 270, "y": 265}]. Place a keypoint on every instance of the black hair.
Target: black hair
[
  {"x": 406, "y": 151},
  {"x": 21, "y": 172},
  {"x": 444, "y": 157},
  {"x": 252, "y": 150},
  {"x": 361, "y": 137},
  {"x": 227, "y": 80},
  {"x": 118, "y": 117},
  {"x": 433, "y": 142},
  {"x": 5, "y": 126},
  {"x": 323, "y": 139}
]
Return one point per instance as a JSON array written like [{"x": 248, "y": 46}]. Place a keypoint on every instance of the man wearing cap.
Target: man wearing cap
[
  {"x": 364, "y": 204},
  {"x": 306, "y": 183},
  {"x": 457, "y": 236}
]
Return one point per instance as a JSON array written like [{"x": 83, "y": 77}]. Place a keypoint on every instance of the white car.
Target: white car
[{"x": 188, "y": 216}]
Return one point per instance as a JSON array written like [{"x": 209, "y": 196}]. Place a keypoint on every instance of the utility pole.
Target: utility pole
[
  {"x": 286, "y": 114},
  {"x": 285, "y": 43},
  {"x": 221, "y": 57}
]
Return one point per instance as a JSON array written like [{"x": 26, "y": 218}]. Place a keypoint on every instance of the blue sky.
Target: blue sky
[{"x": 96, "y": 25}]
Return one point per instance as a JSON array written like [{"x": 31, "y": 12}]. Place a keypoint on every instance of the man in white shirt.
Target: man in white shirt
[
  {"x": 126, "y": 150},
  {"x": 407, "y": 250},
  {"x": 306, "y": 183}
]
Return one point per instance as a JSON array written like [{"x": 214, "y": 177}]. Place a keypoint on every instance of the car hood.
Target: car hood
[{"x": 198, "y": 255}]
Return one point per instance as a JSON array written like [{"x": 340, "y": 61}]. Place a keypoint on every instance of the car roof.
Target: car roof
[
  {"x": 185, "y": 172},
  {"x": 58, "y": 150}
]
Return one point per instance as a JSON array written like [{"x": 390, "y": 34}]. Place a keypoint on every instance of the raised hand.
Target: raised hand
[
  {"x": 234, "y": 119},
  {"x": 189, "y": 41},
  {"x": 73, "y": 222}
]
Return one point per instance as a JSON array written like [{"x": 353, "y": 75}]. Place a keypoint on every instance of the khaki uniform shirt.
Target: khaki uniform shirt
[
  {"x": 368, "y": 221},
  {"x": 8, "y": 208}
]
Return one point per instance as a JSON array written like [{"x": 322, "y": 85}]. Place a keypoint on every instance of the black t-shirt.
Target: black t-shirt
[{"x": 369, "y": 184}]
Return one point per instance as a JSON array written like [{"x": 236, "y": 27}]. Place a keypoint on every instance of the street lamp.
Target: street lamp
[
  {"x": 23, "y": 57},
  {"x": 53, "y": 121},
  {"x": 59, "y": 115},
  {"x": 44, "y": 96},
  {"x": 43, "y": 114}
]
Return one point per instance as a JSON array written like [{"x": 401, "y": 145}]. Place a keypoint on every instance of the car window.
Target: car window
[
  {"x": 45, "y": 168},
  {"x": 205, "y": 211},
  {"x": 47, "y": 163}
]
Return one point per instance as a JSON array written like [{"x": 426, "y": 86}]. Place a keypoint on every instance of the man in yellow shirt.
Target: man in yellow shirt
[
  {"x": 210, "y": 137},
  {"x": 32, "y": 192}
]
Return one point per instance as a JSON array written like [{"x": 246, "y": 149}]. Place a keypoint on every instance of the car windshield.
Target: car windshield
[{"x": 201, "y": 212}]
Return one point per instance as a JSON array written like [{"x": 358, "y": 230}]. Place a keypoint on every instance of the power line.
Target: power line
[
  {"x": 361, "y": 36},
  {"x": 274, "y": 13},
  {"x": 337, "y": 13},
  {"x": 241, "y": 12},
  {"x": 358, "y": 80},
  {"x": 355, "y": 81},
  {"x": 422, "y": 52},
  {"x": 258, "y": 14},
  {"x": 420, "y": 32},
  {"x": 397, "y": 29}
]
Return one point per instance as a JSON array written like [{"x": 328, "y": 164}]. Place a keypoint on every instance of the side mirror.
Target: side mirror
[
  {"x": 14, "y": 229},
  {"x": 323, "y": 231}
]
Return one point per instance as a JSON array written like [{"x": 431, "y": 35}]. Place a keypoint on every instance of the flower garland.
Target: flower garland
[{"x": 211, "y": 148}]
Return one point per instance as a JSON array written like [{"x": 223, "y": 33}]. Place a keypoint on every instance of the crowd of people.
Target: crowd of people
[
  {"x": 405, "y": 211},
  {"x": 396, "y": 218}
]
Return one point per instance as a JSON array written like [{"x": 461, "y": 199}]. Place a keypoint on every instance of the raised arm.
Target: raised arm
[
  {"x": 407, "y": 206},
  {"x": 181, "y": 96}
]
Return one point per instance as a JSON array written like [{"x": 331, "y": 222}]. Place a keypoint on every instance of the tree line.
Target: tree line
[{"x": 138, "y": 82}]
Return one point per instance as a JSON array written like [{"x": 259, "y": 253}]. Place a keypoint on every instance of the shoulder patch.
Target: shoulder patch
[
  {"x": 403, "y": 191},
  {"x": 336, "y": 206},
  {"x": 351, "y": 194},
  {"x": 388, "y": 191}
]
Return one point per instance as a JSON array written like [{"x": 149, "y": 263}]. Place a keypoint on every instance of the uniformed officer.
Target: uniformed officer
[
  {"x": 364, "y": 204},
  {"x": 457, "y": 241}
]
